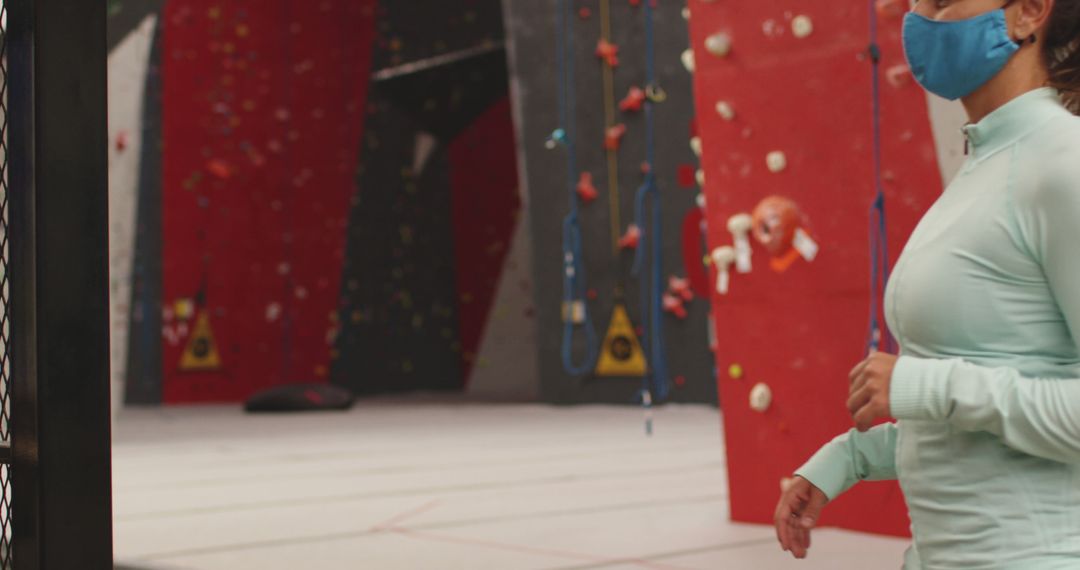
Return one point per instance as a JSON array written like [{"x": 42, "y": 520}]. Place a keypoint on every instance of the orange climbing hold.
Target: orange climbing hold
[{"x": 634, "y": 100}]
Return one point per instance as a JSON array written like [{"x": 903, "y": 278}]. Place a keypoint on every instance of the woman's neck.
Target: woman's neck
[{"x": 1024, "y": 72}]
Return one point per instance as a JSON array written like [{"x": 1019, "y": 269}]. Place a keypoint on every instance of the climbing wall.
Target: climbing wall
[
  {"x": 783, "y": 91},
  {"x": 534, "y": 48},
  {"x": 263, "y": 110},
  {"x": 432, "y": 274}
]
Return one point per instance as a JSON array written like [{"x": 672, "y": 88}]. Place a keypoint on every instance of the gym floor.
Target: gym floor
[{"x": 430, "y": 484}]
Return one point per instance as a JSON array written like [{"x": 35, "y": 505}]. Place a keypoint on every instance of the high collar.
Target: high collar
[{"x": 1013, "y": 120}]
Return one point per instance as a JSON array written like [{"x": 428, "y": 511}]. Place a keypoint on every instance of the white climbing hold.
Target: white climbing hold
[
  {"x": 725, "y": 110},
  {"x": 722, "y": 258},
  {"x": 695, "y": 145},
  {"x": 760, "y": 397},
  {"x": 688, "y": 60},
  {"x": 686, "y": 13},
  {"x": 802, "y": 26},
  {"x": 700, "y": 177},
  {"x": 740, "y": 225},
  {"x": 776, "y": 161},
  {"x": 700, "y": 200},
  {"x": 718, "y": 44}
]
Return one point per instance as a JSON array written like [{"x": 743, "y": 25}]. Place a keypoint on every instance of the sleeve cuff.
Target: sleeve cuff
[
  {"x": 827, "y": 471},
  {"x": 918, "y": 388}
]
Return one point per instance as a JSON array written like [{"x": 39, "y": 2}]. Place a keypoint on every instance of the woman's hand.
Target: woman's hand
[
  {"x": 868, "y": 399},
  {"x": 797, "y": 512}
]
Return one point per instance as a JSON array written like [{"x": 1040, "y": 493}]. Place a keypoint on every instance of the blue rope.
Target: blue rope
[
  {"x": 877, "y": 338},
  {"x": 652, "y": 308},
  {"x": 574, "y": 287}
]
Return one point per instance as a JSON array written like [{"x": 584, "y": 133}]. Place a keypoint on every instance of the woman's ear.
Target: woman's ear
[{"x": 1031, "y": 19}]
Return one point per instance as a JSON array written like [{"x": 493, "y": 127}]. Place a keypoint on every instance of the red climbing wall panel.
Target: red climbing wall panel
[
  {"x": 486, "y": 209},
  {"x": 262, "y": 111},
  {"x": 802, "y": 330}
]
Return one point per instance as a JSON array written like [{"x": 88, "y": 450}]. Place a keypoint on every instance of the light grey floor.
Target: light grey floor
[{"x": 440, "y": 486}]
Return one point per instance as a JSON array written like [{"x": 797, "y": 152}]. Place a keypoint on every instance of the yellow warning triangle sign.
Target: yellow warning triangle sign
[
  {"x": 621, "y": 354},
  {"x": 201, "y": 353}
]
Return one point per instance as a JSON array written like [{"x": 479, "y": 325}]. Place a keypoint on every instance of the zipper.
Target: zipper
[{"x": 967, "y": 140}]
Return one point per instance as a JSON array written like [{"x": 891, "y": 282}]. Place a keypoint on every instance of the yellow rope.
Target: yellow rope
[{"x": 609, "y": 121}]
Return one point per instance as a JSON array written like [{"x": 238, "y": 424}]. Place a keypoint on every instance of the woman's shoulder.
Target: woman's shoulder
[{"x": 1049, "y": 168}]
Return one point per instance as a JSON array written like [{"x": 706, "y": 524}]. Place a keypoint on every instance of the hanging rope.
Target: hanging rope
[
  {"x": 876, "y": 338},
  {"x": 574, "y": 288},
  {"x": 655, "y": 382},
  {"x": 609, "y": 121}
]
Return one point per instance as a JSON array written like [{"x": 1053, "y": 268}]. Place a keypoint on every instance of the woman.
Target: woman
[{"x": 985, "y": 304}]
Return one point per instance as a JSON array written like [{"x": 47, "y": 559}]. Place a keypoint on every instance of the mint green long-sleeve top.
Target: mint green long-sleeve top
[{"x": 985, "y": 304}]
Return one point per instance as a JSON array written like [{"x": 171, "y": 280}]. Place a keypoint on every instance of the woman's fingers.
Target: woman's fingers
[
  {"x": 858, "y": 399},
  {"x": 855, "y": 372},
  {"x": 866, "y": 416}
]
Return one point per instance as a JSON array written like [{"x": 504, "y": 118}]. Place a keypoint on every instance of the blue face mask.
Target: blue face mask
[{"x": 954, "y": 58}]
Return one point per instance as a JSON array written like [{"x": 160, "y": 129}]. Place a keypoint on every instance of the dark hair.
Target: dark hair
[{"x": 1062, "y": 51}]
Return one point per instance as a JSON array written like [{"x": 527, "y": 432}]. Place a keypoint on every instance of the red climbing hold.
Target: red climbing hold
[
  {"x": 645, "y": 167},
  {"x": 219, "y": 168},
  {"x": 899, "y": 75},
  {"x": 631, "y": 238},
  {"x": 681, "y": 288},
  {"x": 584, "y": 13},
  {"x": 614, "y": 136},
  {"x": 680, "y": 380},
  {"x": 585, "y": 189},
  {"x": 674, "y": 305},
  {"x": 608, "y": 51},
  {"x": 633, "y": 101},
  {"x": 592, "y": 294},
  {"x": 635, "y": 3},
  {"x": 121, "y": 141}
]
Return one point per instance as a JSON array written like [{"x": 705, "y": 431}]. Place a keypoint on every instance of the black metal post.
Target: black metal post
[{"x": 59, "y": 271}]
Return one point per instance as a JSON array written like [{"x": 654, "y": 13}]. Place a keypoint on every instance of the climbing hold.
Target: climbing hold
[
  {"x": 655, "y": 93},
  {"x": 722, "y": 258},
  {"x": 608, "y": 52},
  {"x": 635, "y": 3},
  {"x": 718, "y": 44},
  {"x": 898, "y": 75},
  {"x": 633, "y": 101},
  {"x": 699, "y": 177},
  {"x": 700, "y": 200},
  {"x": 679, "y": 380},
  {"x": 592, "y": 294},
  {"x": 184, "y": 309},
  {"x": 219, "y": 168},
  {"x": 760, "y": 397},
  {"x": 686, "y": 13},
  {"x": 688, "y": 60},
  {"x": 584, "y": 13},
  {"x": 121, "y": 141},
  {"x": 573, "y": 311},
  {"x": 776, "y": 161},
  {"x": 779, "y": 226},
  {"x": 556, "y": 138},
  {"x": 725, "y": 110},
  {"x": 695, "y": 145},
  {"x": 674, "y": 305},
  {"x": 613, "y": 137},
  {"x": 802, "y": 26},
  {"x": 735, "y": 371},
  {"x": 585, "y": 188},
  {"x": 740, "y": 225},
  {"x": 645, "y": 167},
  {"x": 631, "y": 238},
  {"x": 681, "y": 288}
]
